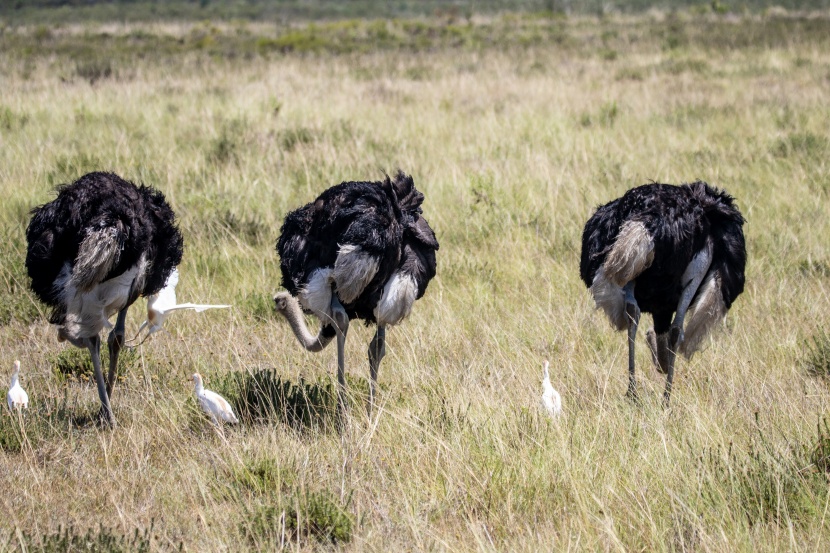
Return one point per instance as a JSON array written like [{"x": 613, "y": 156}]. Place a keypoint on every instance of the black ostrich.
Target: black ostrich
[
  {"x": 93, "y": 250},
  {"x": 360, "y": 250},
  {"x": 665, "y": 250}
]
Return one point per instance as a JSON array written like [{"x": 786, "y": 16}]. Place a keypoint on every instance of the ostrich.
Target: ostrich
[
  {"x": 360, "y": 250},
  {"x": 93, "y": 250},
  {"x": 665, "y": 250}
]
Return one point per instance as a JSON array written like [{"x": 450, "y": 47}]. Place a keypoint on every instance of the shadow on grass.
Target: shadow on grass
[
  {"x": 263, "y": 397},
  {"x": 45, "y": 418}
]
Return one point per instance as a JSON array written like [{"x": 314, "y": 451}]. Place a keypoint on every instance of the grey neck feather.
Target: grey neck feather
[{"x": 294, "y": 315}]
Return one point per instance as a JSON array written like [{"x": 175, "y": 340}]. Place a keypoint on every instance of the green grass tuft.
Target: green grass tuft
[
  {"x": 817, "y": 357},
  {"x": 103, "y": 540},
  {"x": 312, "y": 515}
]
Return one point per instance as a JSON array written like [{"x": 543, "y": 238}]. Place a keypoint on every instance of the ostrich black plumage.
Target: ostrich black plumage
[
  {"x": 92, "y": 251},
  {"x": 665, "y": 250},
  {"x": 361, "y": 250}
]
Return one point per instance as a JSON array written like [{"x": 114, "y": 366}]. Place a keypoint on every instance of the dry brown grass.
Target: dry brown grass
[{"x": 512, "y": 148}]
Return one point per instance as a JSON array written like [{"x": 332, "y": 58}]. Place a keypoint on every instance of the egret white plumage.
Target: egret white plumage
[
  {"x": 551, "y": 400},
  {"x": 212, "y": 403},
  {"x": 17, "y": 396},
  {"x": 161, "y": 304}
]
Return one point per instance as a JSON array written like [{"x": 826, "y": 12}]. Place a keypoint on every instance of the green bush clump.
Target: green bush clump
[
  {"x": 94, "y": 70},
  {"x": 315, "y": 515},
  {"x": 265, "y": 396}
]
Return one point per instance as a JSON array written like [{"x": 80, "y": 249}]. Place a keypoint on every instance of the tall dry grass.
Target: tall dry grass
[{"x": 513, "y": 147}]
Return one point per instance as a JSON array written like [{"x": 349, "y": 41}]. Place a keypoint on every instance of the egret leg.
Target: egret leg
[
  {"x": 632, "y": 311},
  {"x": 94, "y": 346},
  {"x": 341, "y": 321},
  {"x": 115, "y": 341},
  {"x": 692, "y": 277},
  {"x": 377, "y": 351}
]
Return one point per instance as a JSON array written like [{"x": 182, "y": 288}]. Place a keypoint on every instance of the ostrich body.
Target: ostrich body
[
  {"x": 676, "y": 252},
  {"x": 17, "y": 398},
  {"x": 92, "y": 251},
  {"x": 361, "y": 250}
]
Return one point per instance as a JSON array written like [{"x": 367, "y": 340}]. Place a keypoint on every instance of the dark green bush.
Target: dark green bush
[
  {"x": 94, "y": 70},
  {"x": 265, "y": 396}
]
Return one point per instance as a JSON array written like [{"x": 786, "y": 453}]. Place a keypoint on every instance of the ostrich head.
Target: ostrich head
[
  {"x": 283, "y": 302},
  {"x": 288, "y": 306}
]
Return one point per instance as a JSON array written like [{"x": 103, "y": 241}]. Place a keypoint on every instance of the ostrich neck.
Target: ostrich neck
[{"x": 295, "y": 318}]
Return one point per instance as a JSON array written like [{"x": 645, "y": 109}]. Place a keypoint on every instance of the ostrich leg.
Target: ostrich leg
[
  {"x": 94, "y": 346},
  {"x": 341, "y": 321},
  {"x": 632, "y": 311},
  {"x": 377, "y": 351},
  {"x": 659, "y": 346},
  {"x": 115, "y": 341},
  {"x": 692, "y": 277}
]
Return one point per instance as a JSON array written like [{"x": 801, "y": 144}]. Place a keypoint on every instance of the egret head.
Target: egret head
[
  {"x": 197, "y": 379},
  {"x": 16, "y": 368}
]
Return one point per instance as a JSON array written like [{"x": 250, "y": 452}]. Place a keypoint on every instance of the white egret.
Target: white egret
[
  {"x": 551, "y": 400},
  {"x": 212, "y": 403},
  {"x": 163, "y": 303},
  {"x": 17, "y": 396}
]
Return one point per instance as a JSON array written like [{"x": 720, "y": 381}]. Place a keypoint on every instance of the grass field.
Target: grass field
[{"x": 515, "y": 128}]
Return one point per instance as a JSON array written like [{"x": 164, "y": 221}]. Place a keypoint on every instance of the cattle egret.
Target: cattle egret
[
  {"x": 551, "y": 400},
  {"x": 17, "y": 396},
  {"x": 212, "y": 403},
  {"x": 162, "y": 304}
]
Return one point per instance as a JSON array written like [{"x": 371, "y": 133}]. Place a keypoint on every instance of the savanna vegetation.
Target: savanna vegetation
[{"x": 515, "y": 126}]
